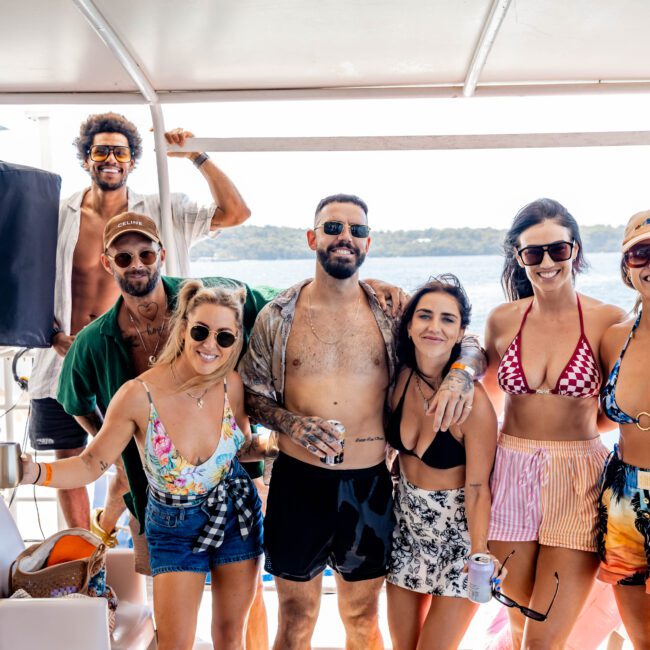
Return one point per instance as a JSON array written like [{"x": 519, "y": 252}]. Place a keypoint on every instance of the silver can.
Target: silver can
[
  {"x": 338, "y": 459},
  {"x": 11, "y": 465},
  {"x": 480, "y": 569}
]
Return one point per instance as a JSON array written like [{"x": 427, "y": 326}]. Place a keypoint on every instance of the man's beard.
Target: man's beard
[
  {"x": 105, "y": 186},
  {"x": 340, "y": 269},
  {"x": 137, "y": 290}
]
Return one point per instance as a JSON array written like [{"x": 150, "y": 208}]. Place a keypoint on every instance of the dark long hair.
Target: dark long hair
[
  {"x": 446, "y": 283},
  {"x": 514, "y": 280}
]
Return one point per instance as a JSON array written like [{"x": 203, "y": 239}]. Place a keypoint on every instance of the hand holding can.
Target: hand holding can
[
  {"x": 480, "y": 568},
  {"x": 338, "y": 459}
]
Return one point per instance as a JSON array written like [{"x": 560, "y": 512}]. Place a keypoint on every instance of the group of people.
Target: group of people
[{"x": 392, "y": 466}]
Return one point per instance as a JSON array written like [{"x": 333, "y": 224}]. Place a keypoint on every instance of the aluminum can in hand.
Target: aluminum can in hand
[
  {"x": 480, "y": 568},
  {"x": 338, "y": 459}
]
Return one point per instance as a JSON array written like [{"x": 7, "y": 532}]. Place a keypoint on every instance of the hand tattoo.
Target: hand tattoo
[{"x": 457, "y": 381}]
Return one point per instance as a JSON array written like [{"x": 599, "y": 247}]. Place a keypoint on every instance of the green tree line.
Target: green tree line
[{"x": 274, "y": 243}]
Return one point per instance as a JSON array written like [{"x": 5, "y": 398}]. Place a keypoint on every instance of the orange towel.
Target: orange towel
[{"x": 69, "y": 547}]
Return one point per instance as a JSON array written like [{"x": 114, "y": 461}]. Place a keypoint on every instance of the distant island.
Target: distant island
[{"x": 280, "y": 243}]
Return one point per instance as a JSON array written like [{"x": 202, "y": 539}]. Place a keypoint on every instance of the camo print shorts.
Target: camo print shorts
[{"x": 318, "y": 516}]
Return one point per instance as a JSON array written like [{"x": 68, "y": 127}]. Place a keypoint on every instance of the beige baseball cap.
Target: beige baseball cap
[
  {"x": 126, "y": 222},
  {"x": 637, "y": 229}
]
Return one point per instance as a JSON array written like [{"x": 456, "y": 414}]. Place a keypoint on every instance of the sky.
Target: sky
[{"x": 404, "y": 190}]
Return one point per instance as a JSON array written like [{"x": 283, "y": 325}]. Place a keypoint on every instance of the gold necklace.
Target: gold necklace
[
  {"x": 345, "y": 332},
  {"x": 197, "y": 398},
  {"x": 151, "y": 358},
  {"x": 425, "y": 399}
]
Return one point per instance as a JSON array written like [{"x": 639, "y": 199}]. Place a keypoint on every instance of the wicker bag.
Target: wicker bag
[{"x": 31, "y": 574}]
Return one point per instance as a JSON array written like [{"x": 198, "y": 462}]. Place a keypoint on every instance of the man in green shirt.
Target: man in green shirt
[{"x": 124, "y": 342}]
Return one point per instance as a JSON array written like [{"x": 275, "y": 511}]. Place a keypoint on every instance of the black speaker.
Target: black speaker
[{"x": 29, "y": 219}]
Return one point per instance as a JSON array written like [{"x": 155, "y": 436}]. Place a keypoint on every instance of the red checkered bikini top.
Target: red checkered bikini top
[{"x": 580, "y": 377}]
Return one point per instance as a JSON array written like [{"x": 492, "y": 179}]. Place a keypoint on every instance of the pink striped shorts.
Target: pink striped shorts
[{"x": 546, "y": 491}]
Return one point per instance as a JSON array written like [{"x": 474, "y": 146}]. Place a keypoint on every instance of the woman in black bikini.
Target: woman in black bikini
[{"x": 442, "y": 502}]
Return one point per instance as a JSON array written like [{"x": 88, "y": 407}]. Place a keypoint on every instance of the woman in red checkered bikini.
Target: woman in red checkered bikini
[{"x": 544, "y": 368}]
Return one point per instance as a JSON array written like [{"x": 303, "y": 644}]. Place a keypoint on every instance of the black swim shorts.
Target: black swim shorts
[
  {"x": 317, "y": 516},
  {"x": 50, "y": 427}
]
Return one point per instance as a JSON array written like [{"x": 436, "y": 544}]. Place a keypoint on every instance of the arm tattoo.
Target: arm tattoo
[
  {"x": 269, "y": 413},
  {"x": 369, "y": 439},
  {"x": 473, "y": 355},
  {"x": 476, "y": 485},
  {"x": 104, "y": 466}
]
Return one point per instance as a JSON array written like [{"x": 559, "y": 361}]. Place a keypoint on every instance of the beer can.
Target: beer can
[
  {"x": 480, "y": 569},
  {"x": 338, "y": 459}
]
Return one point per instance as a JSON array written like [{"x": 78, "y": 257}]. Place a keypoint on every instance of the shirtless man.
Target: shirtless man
[
  {"x": 109, "y": 147},
  {"x": 323, "y": 350}
]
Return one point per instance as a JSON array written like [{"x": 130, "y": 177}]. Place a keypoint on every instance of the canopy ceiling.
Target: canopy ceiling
[{"x": 321, "y": 46}]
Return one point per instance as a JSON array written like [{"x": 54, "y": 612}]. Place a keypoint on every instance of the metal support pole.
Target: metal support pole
[
  {"x": 421, "y": 142},
  {"x": 172, "y": 266},
  {"x": 488, "y": 36}
]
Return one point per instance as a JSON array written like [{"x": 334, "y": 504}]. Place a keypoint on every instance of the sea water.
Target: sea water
[{"x": 480, "y": 275}]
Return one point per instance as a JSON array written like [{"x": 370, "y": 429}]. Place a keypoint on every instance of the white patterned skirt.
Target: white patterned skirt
[{"x": 430, "y": 541}]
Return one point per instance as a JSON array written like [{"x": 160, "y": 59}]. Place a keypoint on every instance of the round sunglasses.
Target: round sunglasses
[
  {"x": 359, "y": 230},
  {"x": 224, "y": 338},
  {"x": 559, "y": 251},
  {"x": 638, "y": 256},
  {"x": 123, "y": 259},
  {"x": 101, "y": 152}
]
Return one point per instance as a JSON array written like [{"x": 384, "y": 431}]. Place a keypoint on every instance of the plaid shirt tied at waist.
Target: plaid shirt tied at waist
[{"x": 239, "y": 489}]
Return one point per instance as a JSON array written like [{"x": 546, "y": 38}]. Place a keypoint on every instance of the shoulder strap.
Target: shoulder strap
[
  {"x": 630, "y": 335},
  {"x": 147, "y": 389},
  {"x": 406, "y": 387},
  {"x": 523, "y": 320},
  {"x": 582, "y": 325}
]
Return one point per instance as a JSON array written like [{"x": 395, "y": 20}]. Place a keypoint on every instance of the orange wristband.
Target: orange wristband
[
  {"x": 48, "y": 474},
  {"x": 461, "y": 366}
]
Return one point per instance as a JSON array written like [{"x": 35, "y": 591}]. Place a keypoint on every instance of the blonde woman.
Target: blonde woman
[{"x": 203, "y": 514}]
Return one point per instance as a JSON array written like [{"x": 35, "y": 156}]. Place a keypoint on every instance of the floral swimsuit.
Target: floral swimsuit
[{"x": 168, "y": 472}]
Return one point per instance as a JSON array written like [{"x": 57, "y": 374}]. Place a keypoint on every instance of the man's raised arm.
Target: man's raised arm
[{"x": 231, "y": 207}]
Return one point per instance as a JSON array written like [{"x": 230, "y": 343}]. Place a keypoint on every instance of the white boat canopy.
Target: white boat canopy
[
  {"x": 189, "y": 50},
  {"x": 158, "y": 51}
]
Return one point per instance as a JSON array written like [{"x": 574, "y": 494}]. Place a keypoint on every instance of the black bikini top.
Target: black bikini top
[{"x": 444, "y": 451}]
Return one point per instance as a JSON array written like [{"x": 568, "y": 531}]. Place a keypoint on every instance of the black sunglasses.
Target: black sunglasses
[
  {"x": 101, "y": 152},
  {"x": 559, "y": 251},
  {"x": 638, "y": 256},
  {"x": 508, "y": 602},
  {"x": 336, "y": 228},
  {"x": 123, "y": 260},
  {"x": 224, "y": 338}
]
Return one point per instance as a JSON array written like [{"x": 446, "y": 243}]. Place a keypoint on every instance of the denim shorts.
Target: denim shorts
[{"x": 172, "y": 531}]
